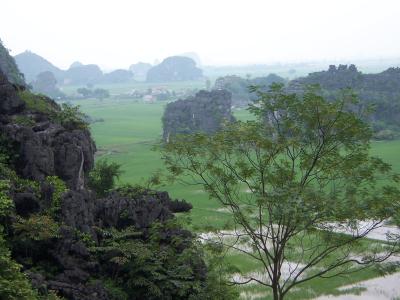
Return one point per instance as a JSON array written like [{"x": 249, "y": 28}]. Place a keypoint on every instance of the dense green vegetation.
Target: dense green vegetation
[
  {"x": 13, "y": 283},
  {"x": 66, "y": 115}
]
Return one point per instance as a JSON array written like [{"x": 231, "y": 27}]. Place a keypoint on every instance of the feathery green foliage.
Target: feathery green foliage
[
  {"x": 306, "y": 166},
  {"x": 156, "y": 267}
]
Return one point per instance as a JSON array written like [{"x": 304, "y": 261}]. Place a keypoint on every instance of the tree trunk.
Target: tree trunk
[{"x": 275, "y": 290}]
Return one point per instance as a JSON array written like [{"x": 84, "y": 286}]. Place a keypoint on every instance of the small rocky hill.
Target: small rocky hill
[
  {"x": 46, "y": 84},
  {"x": 205, "y": 112},
  {"x": 174, "y": 68},
  {"x": 83, "y": 74},
  {"x": 140, "y": 70},
  {"x": 31, "y": 65}
]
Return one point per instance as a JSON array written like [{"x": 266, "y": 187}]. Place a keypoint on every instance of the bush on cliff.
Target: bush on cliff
[{"x": 103, "y": 176}]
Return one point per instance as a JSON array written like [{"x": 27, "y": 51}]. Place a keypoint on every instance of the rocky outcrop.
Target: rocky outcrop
[
  {"x": 75, "y": 266},
  {"x": 81, "y": 212},
  {"x": 44, "y": 148},
  {"x": 174, "y": 68},
  {"x": 205, "y": 112},
  {"x": 74, "y": 156},
  {"x": 123, "y": 211},
  {"x": 9, "y": 67},
  {"x": 78, "y": 210},
  {"x": 50, "y": 149},
  {"x": 10, "y": 103}
]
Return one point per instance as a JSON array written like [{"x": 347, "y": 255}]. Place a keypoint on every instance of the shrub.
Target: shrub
[
  {"x": 155, "y": 268},
  {"x": 13, "y": 284},
  {"x": 71, "y": 117},
  {"x": 24, "y": 121},
  {"x": 36, "y": 228},
  {"x": 102, "y": 178},
  {"x": 114, "y": 291},
  {"x": 132, "y": 191},
  {"x": 180, "y": 206},
  {"x": 59, "y": 188},
  {"x": 6, "y": 204},
  {"x": 8, "y": 150},
  {"x": 22, "y": 185}
]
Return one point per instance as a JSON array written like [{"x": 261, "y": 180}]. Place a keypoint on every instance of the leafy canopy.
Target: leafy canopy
[{"x": 293, "y": 179}]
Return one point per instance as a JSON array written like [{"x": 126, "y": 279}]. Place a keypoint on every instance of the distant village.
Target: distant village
[{"x": 160, "y": 93}]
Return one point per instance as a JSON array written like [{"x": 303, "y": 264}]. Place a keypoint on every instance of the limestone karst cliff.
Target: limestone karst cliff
[{"x": 69, "y": 241}]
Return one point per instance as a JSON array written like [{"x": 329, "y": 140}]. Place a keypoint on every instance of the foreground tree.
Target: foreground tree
[{"x": 300, "y": 183}]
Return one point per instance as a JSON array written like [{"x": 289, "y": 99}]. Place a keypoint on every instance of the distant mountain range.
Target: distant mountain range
[
  {"x": 174, "y": 68},
  {"x": 32, "y": 65}
]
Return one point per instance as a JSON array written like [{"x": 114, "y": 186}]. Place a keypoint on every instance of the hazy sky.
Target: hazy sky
[{"x": 117, "y": 33}]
